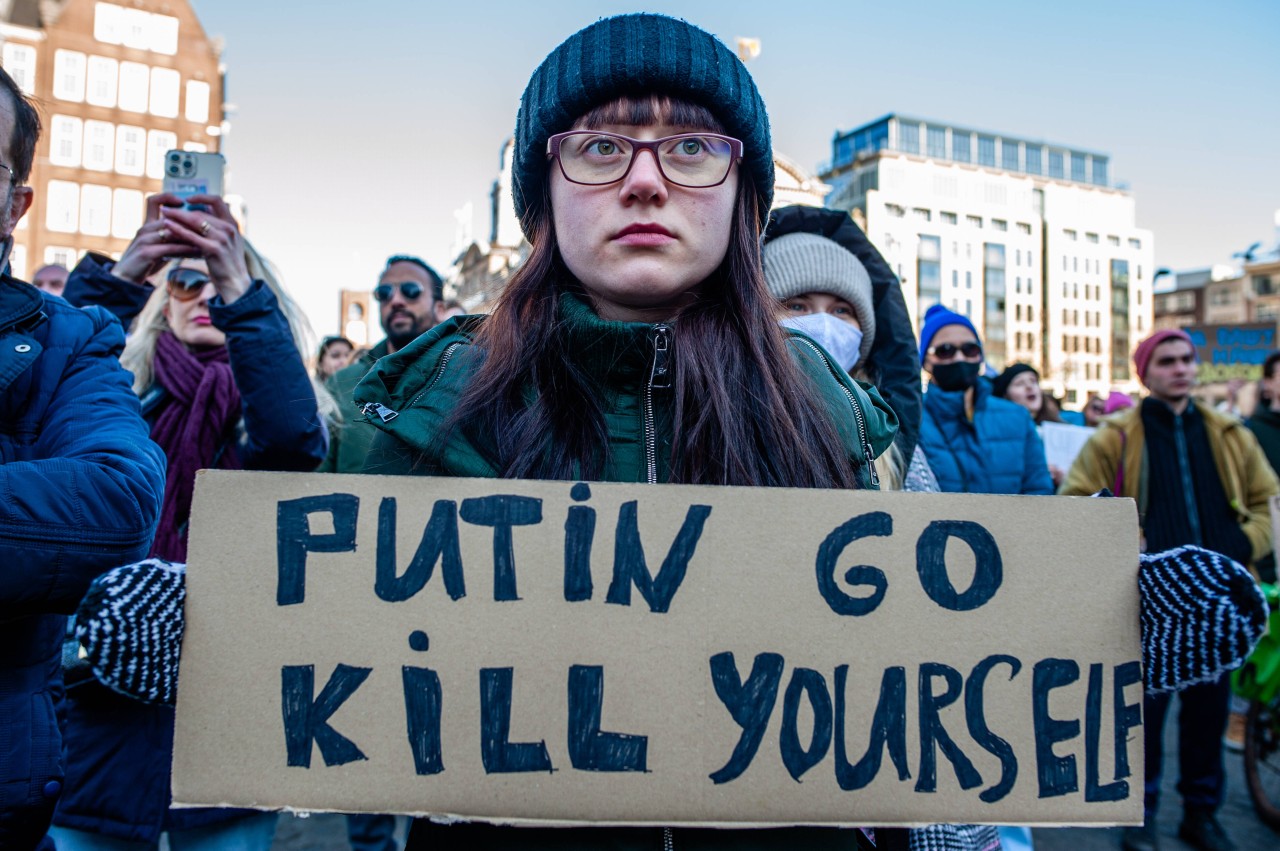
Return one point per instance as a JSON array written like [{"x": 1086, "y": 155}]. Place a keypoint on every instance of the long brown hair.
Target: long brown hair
[{"x": 744, "y": 413}]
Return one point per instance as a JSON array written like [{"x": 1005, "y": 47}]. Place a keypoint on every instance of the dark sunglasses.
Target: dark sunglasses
[
  {"x": 947, "y": 351},
  {"x": 186, "y": 284},
  {"x": 410, "y": 290}
]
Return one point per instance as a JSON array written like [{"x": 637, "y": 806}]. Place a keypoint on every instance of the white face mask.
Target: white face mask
[{"x": 841, "y": 340}]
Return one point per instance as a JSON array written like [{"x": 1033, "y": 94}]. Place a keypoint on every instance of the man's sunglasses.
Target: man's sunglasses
[
  {"x": 409, "y": 289},
  {"x": 947, "y": 351},
  {"x": 186, "y": 284}
]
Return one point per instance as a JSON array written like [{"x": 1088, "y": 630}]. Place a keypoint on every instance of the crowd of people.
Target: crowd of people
[{"x": 660, "y": 285}]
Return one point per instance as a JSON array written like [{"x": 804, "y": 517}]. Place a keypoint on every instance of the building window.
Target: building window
[
  {"x": 999, "y": 224},
  {"x": 960, "y": 147},
  {"x": 159, "y": 142},
  {"x": 65, "y": 137},
  {"x": 95, "y": 210},
  {"x": 1091, "y": 237},
  {"x": 895, "y": 211},
  {"x": 955, "y": 279},
  {"x": 1033, "y": 159},
  {"x": 164, "y": 34},
  {"x": 20, "y": 62},
  {"x": 103, "y": 74},
  {"x": 127, "y": 212},
  {"x": 1031, "y": 313},
  {"x": 973, "y": 221},
  {"x": 198, "y": 147},
  {"x": 1120, "y": 320},
  {"x": 986, "y": 150},
  {"x": 197, "y": 108},
  {"x": 68, "y": 75},
  {"x": 135, "y": 80},
  {"x": 135, "y": 28},
  {"x": 18, "y": 261},
  {"x": 908, "y": 138},
  {"x": 1099, "y": 175},
  {"x": 1135, "y": 243},
  {"x": 164, "y": 92},
  {"x": 99, "y": 145},
  {"x": 63, "y": 211},
  {"x": 928, "y": 273},
  {"x": 968, "y": 280},
  {"x": 57, "y": 255},
  {"x": 1017, "y": 312},
  {"x": 994, "y": 316},
  {"x": 948, "y": 218},
  {"x": 1078, "y": 167},
  {"x": 921, "y": 214},
  {"x": 936, "y": 141},
  {"x": 108, "y": 24},
  {"x": 1112, "y": 239},
  {"x": 1023, "y": 227},
  {"x": 1055, "y": 165},
  {"x": 1070, "y": 234},
  {"x": 1009, "y": 158},
  {"x": 131, "y": 150}
]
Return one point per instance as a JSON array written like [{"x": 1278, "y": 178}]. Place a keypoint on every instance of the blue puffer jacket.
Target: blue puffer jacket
[
  {"x": 80, "y": 492},
  {"x": 119, "y": 751},
  {"x": 998, "y": 452}
]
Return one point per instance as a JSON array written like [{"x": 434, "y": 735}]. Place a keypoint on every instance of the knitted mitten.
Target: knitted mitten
[
  {"x": 131, "y": 623},
  {"x": 1201, "y": 615}
]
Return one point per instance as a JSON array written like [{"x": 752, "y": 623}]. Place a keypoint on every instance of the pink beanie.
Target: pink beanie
[
  {"x": 1142, "y": 354},
  {"x": 1117, "y": 401}
]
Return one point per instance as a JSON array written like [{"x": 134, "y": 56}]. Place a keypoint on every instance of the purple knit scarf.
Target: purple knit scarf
[{"x": 199, "y": 418}]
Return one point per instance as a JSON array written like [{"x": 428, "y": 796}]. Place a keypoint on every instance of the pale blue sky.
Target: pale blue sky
[{"x": 360, "y": 128}]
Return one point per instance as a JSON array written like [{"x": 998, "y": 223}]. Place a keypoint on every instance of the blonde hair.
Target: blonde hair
[{"x": 140, "y": 350}]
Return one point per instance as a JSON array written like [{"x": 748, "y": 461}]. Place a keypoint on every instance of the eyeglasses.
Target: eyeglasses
[
  {"x": 694, "y": 160},
  {"x": 13, "y": 176},
  {"x": 186, "y": 284},
  {"x": 411, "y": 290},
  {"x": 947, "y": 351}
]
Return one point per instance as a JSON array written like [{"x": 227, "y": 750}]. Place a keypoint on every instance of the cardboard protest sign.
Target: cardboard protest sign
[
  {"x": 1232, "y": 351},
  {"x": 557, "y": 652}
]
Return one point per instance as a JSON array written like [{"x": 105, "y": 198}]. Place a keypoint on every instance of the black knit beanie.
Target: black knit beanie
[
  {"x": 1000, "y": 384},
  {"x": 636, "y": 55}
]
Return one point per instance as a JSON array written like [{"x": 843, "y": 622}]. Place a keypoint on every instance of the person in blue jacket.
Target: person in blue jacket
[
  {"x": 216, "y": 358},
  {"x": 975, "y": 442},
  {"x": 80, "y": 489}
]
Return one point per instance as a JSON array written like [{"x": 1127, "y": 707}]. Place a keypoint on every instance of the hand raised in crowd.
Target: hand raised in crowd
[
  {"x": 215, "y": 236},
  {"x": 153, "y": 245}
]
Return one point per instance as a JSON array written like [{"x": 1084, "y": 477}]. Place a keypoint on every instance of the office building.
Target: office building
[{"x": 1032, "y": 241}]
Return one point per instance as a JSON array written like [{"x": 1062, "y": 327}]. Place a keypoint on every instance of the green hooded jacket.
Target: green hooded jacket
[{"x": 409, "y": 396}]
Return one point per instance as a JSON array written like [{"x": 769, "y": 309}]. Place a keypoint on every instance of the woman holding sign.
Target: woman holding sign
[{"x": 638, "y": 342}]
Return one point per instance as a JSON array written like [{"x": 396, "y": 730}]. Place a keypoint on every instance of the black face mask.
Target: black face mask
[{"x": 957, "y": 375}]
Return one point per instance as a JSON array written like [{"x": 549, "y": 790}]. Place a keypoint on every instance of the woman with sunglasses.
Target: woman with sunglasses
[
  {"x": 975, "y": 442},
  {"x": 638, "y": 342},
  {"x": 216, "y": 355}
]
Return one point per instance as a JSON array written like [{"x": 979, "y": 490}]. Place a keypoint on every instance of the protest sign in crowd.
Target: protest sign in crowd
[{"x": 655, "y": 592}]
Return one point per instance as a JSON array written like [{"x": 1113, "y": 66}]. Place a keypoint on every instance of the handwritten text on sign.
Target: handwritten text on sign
[{"x": 536, "y": 651}]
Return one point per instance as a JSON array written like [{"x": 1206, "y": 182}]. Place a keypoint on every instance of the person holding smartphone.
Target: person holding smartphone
[{"x": 216, "y": 353}]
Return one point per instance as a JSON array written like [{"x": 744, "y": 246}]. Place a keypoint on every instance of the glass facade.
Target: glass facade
[
  {"x": 936, "y": 141},
  {"x": 915, "y": 137},
  {"x": 986, "y": 150},
  {"x": 929, "y": 273},
  {"x": 1119, "y": 320},
  {"x": 1009, "y": 155}
]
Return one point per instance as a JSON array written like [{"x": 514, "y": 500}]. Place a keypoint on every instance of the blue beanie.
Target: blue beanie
[
  {"x": 937, "y": 318},
  {"x": 636, "y": 54}
]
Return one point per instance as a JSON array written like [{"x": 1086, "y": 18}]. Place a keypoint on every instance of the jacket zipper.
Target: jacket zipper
[
  {"x": 659, "y": 379},
  {"x": 385, "y": 414},
  {"x": 858, "y": 416},
  {"x": 668, "y": 841}
]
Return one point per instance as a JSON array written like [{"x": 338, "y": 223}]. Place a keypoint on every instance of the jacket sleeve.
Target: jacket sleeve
[
  {"x": 895, "y": 354},
  {"x": 90, "y": 499},
  {"x": 1260, "y": 484},
  {"x": 283, "y": 427},
  {"x": 91, "y": 282},
  {"x": 1095, "y": 466},
  {"x": 1035, "y": 469}
]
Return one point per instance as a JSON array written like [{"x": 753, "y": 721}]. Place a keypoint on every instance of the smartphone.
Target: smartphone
[{"x": 188, "y": 173}]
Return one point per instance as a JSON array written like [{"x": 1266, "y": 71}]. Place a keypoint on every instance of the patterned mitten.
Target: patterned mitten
[
  {"x": 1201, "y": 615},
  {"x": 131, "y": 623}
]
